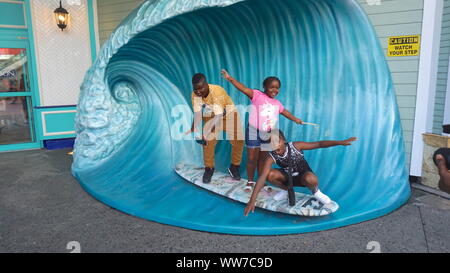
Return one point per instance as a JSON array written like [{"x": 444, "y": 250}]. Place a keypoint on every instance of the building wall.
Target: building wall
[
  {"x": 441, "y": 88},
  {"x": 111, "y": 13},
  {"x": 398, "y": 18},
  {"x": 62, "y": 60},
  {"x": 16, "y": 32}
]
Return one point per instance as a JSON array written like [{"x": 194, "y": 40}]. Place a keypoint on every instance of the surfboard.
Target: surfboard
[{"x": 223, "y": 184}]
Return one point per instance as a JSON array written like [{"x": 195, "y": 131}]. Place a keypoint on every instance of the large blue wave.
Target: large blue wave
[{"x": 333, "y": 72}]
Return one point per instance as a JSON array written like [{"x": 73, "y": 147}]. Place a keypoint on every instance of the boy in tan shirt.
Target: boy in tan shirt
[{"x": 212, "y": 104}]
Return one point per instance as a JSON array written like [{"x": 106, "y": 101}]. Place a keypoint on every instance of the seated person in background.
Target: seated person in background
[{"x": 442, "y": 160}]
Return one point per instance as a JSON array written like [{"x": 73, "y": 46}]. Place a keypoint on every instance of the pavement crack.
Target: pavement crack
[{"x": 423, "y": 229}]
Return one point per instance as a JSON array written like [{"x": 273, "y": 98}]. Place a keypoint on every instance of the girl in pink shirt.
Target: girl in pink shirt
[{"x": 263, "y": 119}]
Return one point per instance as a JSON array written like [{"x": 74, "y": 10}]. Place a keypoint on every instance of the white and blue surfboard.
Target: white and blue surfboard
[{"x": 223, "y": 184}]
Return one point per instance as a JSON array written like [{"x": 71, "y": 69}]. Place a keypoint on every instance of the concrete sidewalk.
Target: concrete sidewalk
[{"x": 43, "y": 208}]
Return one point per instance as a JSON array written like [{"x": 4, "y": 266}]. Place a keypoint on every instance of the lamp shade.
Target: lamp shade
[{"x": 61, "y": 16}]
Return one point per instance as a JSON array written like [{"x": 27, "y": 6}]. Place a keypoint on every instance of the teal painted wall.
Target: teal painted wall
[
  {"x": 441, "y": 87},
  {"x": 12, "y": 14}
]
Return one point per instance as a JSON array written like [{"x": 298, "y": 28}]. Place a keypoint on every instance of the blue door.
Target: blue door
[{"x": 17, "y": 95}]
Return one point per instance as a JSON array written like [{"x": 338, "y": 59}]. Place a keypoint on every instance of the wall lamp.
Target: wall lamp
[{"x": 61, "y": 16}]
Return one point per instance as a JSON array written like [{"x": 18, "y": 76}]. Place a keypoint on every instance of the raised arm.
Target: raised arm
[
  {"x": 259, "y": 185},
  {"x": 323, "y": 144},
  {"x": 244, "y": 89},
  {"x": 288, "y": 115}
]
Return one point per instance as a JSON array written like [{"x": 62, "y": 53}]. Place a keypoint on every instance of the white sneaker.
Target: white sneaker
[
  {"x": 322, "y": 197},
  {"x": 282, "y": 194}
]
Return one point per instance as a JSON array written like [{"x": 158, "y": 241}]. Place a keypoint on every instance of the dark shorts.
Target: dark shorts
[
  {"x": 254, "y": 138},
  {"x": 297, "y": 179}
]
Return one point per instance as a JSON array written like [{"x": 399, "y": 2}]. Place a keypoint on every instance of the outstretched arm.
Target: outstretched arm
[
  {"x": 259, "y": 185},
  {"x": 244, "y": 89},
  {"x": 288, "y": 115},
  {"x": 323, "y": 144}
]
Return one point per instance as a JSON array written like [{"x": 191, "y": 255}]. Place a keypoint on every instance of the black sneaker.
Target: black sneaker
[
  {"x": 234, "y": 172},
  {"x": 207, "y": 175}
]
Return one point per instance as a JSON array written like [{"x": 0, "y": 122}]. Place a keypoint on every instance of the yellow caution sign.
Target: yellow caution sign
[{"x": 401, "y": 46}]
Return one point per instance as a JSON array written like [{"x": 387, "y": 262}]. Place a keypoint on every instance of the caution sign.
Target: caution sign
[{"x": 401, "y": 46}]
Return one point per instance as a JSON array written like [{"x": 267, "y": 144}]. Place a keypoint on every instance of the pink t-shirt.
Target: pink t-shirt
[{"x": 265, "y": 111}]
